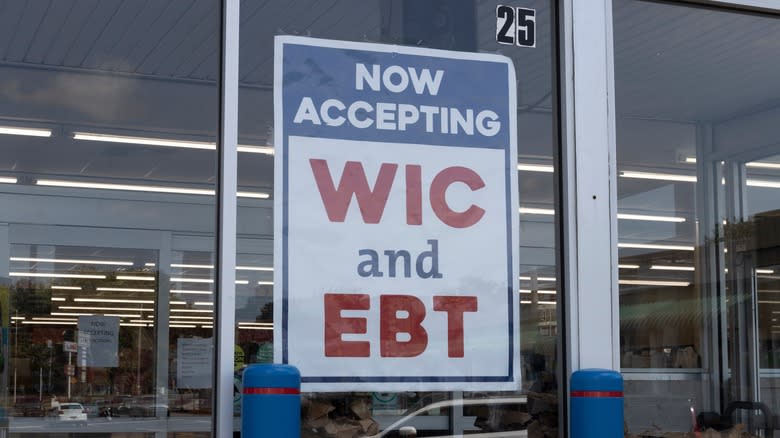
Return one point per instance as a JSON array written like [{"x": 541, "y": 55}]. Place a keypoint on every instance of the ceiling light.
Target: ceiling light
[
  {"x": 247, "y": 327},
  {"x": 267, "y": 150},
  {"x": 628, "y": 266},
  {"x": 672, "y": 268},
  {"x": 50, "y": 322},
  {"x": 265, "y": 283},
  {"x": 141, "y": 188},
  {"x": 181, "y": 325},
  {"x": 547, "y": 302},
  {"x": 193, "y": 292},
  {"x": 144, "y": 141},
  {"x": 17, "y": 318},
  {"x": 255, "y": 323},
  {"x": 690, "y": 160},
  {"x": 123, "y": 289},
  {"x": 108, "y": 309},
  {"x": 763, "y": 165},
  {"x": 655, "y": 283},
  {"x": 203, "y": 303},
  {"x": 191, "y": 317},
  {"x": 655, "y": 246},
  {"x": 111, "y": 300},
  {"x": 191, "y": 280},
  {"x": 763, "y": 183},
  {"x": 53, "y": 275},
  {"x": 764, "y": 271},
  {"x": 135, "y": 277},
  {"x": 522, "y": 277},
  {"x": 541, "y": 211},
  {"x": 207, "y": 326},
  {"x": 71, "y": 261},
  {"x": 191, "y": 311},
  {"x": 8, "y": 180},
  {"x": 12, "y": 130},
  {"x": 57, "y": 299},
  {"x": 242, "y": 281},
  {"x": 41, "y": 318},
  {"x": 254, "y": 268},
  {"x": 525, "y": 302},
  {"x": 643, "y": 217},
  {"x": 535, "y": 167},
  {"x": 151, "y": 265},
  {"x": 66, "y": 287},
  {"x": 546, "y": 279},
  {"x": 130, "y": 324},
  {"x": 658, "y": 176},
  {"x": 547, "y": 292},
  {"x": 180, "y": 265},
  {"x": 128, "y": 187}
]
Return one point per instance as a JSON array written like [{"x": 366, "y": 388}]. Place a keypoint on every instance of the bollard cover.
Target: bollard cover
[
  {"x": 272, "y": 376},
  {"x": 595, "y": 379}
]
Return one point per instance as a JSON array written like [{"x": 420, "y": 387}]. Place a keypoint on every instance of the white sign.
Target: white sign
[
  {"x": 396, "y": 217},
  {"x": 70, "y": 347},
  {"x": 98, "y": 341},
  {"x": 194, "y": 361}
]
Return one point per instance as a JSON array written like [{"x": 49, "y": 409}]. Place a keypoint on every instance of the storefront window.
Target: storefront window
[
  {"x": 697, "y": 179},
  {"x": 108, "y": 116},
  {"x": 464, "y": 26}
]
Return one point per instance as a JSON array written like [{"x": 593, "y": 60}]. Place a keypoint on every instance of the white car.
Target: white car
[{"x": 72, "y": 412}]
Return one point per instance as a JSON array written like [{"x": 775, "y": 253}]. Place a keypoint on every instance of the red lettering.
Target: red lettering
[
  {"x": 336, "y": 325},
  {"x": 390, "y": 325},
  {"x": 353, "y": 181},
  {"x": 439, "y": 186},
  {"x": 413, "y": 194},
  {"x": 455, "y": 307}
]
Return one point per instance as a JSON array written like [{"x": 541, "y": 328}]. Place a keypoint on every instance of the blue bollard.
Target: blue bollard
[
  {"x": 596, "y": 404},
  {"x": 271, "y": 401}
]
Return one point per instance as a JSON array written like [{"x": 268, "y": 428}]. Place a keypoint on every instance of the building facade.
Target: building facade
[{"x": 137, "y": 234}]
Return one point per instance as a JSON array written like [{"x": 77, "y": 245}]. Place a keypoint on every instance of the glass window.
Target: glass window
[
  {"x": 697, "y": 201},
  {"x": 108, "y": 117},
  {"x": 463, "y": 25}
]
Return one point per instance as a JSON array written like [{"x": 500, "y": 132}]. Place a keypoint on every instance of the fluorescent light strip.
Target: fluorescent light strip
[
  {"x": 690, "y": 160},
  {"x": 141, "y": 188},
  {"x": 203, "y": 303},
  {"x": 30, "y": 132},
  {"x": 49, "y": 322},
  {"x": 238, "y": 268},
  {"x": 546, "y": 279},
  {"x": 191, "y": 317},
  {"x": 144, "y": 141},
  {"x": 123, "y": 289},
  {"x": 649, "y": 218},
  {"x": 523, "y": 277},
  {"x": 135, "y": 277},
  {"x": 265, "y": 283},
  {"x": 763, "y": 165},
  {"x": 255, "y": 195},
  {"x": 181, "y": 265},
  {"x": 8, "y": 180},
  {"x": 192, "y": 311},
  {"x": 107, "y": 309},
  {"x": 763, "y": 183},
  {"x": 17, "y": 318},
  {"x": 525, "y": 302},
  {"x": 658, "y": 176},
  {"x": 192, "y": 292},
  {"x": 655, "y": 283},
  {"x": 149, "y": 264},
  {"x": 180, "y": 303},
  {"x": 66, "y": 287},
  {"x": 129, "y": 324},
  {"x": 655, "y": 246},
  {"x": 207, "y": 326},
  {"x": 53, "y": 275},
  {"x": 147, "y": 141},
  {"x": 246, "y": 327},
  {"x": 255, "y": 323},
  {"x": 621, "y": 266},
  {"x": 181, "y": 325},
  {"x": 535, "y": 167},
  {"x": 255, "y": 268},
  {"x": 111, "y": 300},
  {"x": 547, "y": 302},
  {"x": 201, "y": 280},
  {"x": 764, "y": 271},
  {"x": 41, "y": 318},
  {"x": 57, "y": 299},
  {"x": 540, "y": 211},
  {"x": 672, "y": 268},
  {"x": 72, "y": 261}
]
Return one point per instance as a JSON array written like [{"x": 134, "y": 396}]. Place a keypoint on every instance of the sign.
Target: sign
[
  {"x": 396, "y": 217},
  {"x": 194, "y": 357},
  {"x": 516, "y": 26},
  {"x": 70, "y": 370},
  {"x": 70, "y": 347},
  {"x": 98, "y": 341}
]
